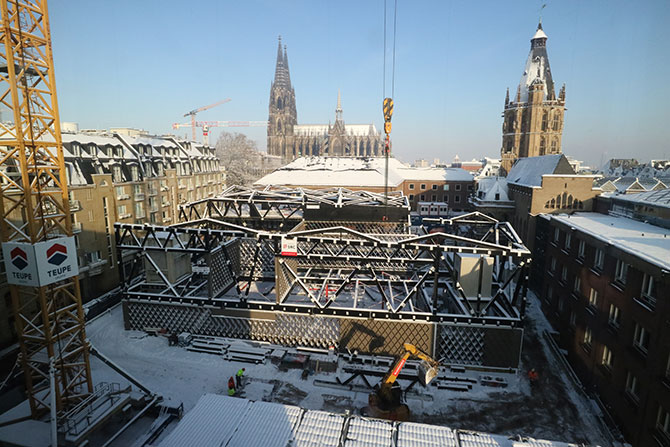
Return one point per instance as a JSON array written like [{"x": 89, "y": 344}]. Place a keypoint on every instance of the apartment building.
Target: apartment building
[
  {"x": 116, "y": 177},
  {"x": 604, "y": 282}
]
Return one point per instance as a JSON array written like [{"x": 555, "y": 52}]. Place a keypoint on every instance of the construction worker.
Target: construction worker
[
  {"x": 533, "y": 376},
  {"x": 240, "y": 373},
  {"x": 231, "y": 383}
]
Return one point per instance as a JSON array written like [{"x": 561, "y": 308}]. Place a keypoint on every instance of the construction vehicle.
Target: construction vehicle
[{"x": 386, "y": 401}]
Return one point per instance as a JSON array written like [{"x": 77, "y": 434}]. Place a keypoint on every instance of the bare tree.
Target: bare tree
[{"x": 239, "y": 157}]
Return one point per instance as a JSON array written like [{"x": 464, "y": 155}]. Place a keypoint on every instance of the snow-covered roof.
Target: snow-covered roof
[
  {"x": 647, "y": 242},
  {"x": 227, "y": 421},
  {"x": 659, "y": 198},
  {"x": 539, "y": 34},
  {"x": 529, "y": 171},
  {"x": 356, "y": 171},
  {"x": 488, "y": 187},
  {"x": 537, "y": 67}
]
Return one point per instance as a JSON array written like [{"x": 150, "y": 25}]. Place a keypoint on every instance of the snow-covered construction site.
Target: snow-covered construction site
[{"x": 345, "y": 325}]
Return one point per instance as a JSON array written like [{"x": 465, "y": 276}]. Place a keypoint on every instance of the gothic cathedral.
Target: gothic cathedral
[
  {"x": 290, "y": 140},
  {"x": 533, "y": 121}
]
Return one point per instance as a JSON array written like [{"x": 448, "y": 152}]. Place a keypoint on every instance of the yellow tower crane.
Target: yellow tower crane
[{"x": 35, "y": 225}]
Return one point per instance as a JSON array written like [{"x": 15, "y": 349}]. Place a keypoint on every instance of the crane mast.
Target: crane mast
[{"x": 35, "y": 209}]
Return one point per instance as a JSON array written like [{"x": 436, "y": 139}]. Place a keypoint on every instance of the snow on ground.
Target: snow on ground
[{"x": 183, "y": 376}]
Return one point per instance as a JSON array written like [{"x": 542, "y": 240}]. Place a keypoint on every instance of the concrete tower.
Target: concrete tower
[
  {"x": 283, "y": 115},
  {"x": 533, "y": 120}
]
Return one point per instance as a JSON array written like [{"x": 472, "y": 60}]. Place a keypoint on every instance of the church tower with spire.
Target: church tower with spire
[
  {"x": 283, "y": 115},
  {"x": 290, "y": 140},
  {"x": 533, "y": 118}
]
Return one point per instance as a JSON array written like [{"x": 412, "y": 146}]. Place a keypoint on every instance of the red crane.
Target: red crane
[
  {"x": 207, "y": 124},
  {"x": 194, "y": 112}
]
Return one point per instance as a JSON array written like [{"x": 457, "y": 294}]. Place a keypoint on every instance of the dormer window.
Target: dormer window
[
  {"x": 91, "y": 149},
  {"x": 134, "y": 173},
  {"x": 76, "y": 149}
]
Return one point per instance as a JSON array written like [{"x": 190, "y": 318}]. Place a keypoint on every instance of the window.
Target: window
[
  {"x": 469, "y": 187},
  {"x": 423, "y": 186},
  {"x": 134, "y": 173},
  {"x": 423, "y": 197},
  {"x": 557, "y": 234},
  {"x": 614, "y": 318},
  {"x": 120, "y": 192},
  {"x": 606, "y": 359},
  {"x": 588, "y": 336},
  {"x": 621, "y": 272},
  {"x": 582, "y": 249},
  {"x": 446, "y": 199},
  {"x": 446, "y": 187},
  {"x": 121, "y": 210},
  {"x": 568, "y": 241},
  {"x": 632, "y": 387},
  {"x": 550, "y": 294},
  {"x": 76, "y": 150},
  {"x": 564, "y": 274},
  {"x": 648, "y": 292},
  {"x": 411, "y": 186},
  {"x": 433, "y": 197},
  {"x": 457, "y": 199},
  {"x": 577, "y": 286},
  {"x": 599, "y": 259},
  {"x": 137, "y": 189},
  {"x": 552, "y": 269},
  {"x": 593, "y": 298},
  {"x": 116, "y": 174},
  {"x": 641, "y": 338},
  {"x": 411, "y": 197},
  {"x": 434, "y": 187},
  {"x": 139, "y": 210},
  {"x": 663, "y": 421},
  {"x": 458, "y": 187}
]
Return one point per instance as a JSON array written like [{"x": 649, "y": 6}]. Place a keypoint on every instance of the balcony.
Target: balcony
[
  {"x": 164, "y": 204},
  {"x": 75, "y": 205},
  {"x": 139, "y": 197},
  {"x": 123, "y": 197},
  {"x": 124, "y": 216}
]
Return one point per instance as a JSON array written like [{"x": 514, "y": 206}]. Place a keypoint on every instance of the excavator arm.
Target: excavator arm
[{"x": 427, "y": 370}]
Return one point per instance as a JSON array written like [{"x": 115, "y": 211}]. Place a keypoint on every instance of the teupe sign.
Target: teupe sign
[{"x": 42, "y": 263}]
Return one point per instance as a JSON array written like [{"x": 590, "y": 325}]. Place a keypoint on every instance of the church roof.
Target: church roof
[
  {"x": 529, "y": 171},
  {"x": 537, "y": 66}
]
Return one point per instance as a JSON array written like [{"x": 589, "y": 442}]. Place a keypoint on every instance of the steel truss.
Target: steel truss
[
  {"x": 34, "y": 207},
  {"x": 337, "y": 270},
  {"x": 280, "y": 208}
]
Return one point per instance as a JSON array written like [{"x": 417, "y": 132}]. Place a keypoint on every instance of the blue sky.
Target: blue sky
[{"x": 146, "y": 63}]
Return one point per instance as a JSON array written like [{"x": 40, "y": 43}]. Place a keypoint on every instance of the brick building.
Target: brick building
[{"x": 603, "y": 280}]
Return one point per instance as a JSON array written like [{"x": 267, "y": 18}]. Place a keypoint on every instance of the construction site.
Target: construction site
[{"x": 267, "y": 316}]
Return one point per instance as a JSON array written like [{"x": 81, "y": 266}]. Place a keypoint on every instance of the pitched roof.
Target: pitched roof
[{"x": 529, "y": 171}]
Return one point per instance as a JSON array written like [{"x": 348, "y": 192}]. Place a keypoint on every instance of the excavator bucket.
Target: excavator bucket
[{"x": 427, "y": 372}]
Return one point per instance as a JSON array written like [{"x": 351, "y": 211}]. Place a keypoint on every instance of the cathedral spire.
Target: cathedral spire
[
  {"x": 288, "y": 73},
  {"x": 338, "y": 110},
  {"x": 281, "y": 70}
]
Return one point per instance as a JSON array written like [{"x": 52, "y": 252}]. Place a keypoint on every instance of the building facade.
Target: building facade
[
  {"x": 603, "y": 281},
  {"x": 533, "y": 119},
  {"x": 546, "y": 185},
  {"x": 452, "y": 186},
  {"x": 290, "y": 140},
  {"x": 120, "y": 178}
]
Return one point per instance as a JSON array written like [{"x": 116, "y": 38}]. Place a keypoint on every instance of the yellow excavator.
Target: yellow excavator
[{"x": 386, "y": 401}]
